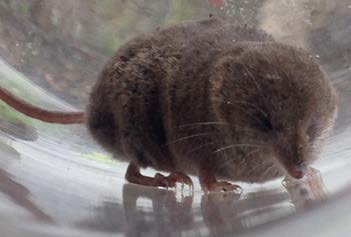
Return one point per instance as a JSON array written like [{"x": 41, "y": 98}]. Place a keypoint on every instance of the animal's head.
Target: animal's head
[{"x": 278, "y": 97}]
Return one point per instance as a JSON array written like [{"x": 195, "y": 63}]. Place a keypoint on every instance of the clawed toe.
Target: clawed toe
[
  {"x": 171, "y": 180},
  {"x": 178, "y": 177},
  {"x": 224, "y": 186},
  {"x": 209, "y": 183},
  {"x": 159, "y": 180}
]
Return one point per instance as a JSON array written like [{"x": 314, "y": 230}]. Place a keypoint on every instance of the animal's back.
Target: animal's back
[{"x": 143, "y": 93}]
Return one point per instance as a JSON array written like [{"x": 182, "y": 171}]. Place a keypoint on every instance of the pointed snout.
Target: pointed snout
[
  {"x": 291, "y": 152},
  {"x": 297, "y": 172}
]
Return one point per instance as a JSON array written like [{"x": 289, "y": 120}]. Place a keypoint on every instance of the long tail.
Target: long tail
[{"x": 38, "y": 113}]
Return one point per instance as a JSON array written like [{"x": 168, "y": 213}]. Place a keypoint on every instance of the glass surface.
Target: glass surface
[{"x": 55, "y": 181}]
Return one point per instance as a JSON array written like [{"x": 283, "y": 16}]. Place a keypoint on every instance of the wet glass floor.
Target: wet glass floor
[{"x": 54, "y": 181}]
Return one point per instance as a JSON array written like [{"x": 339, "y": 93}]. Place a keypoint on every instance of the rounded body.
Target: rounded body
[{"x": 177, "y": 100}]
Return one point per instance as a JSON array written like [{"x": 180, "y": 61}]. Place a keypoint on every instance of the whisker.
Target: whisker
[
  {"x": 244, "y": 103},
  {"x": 188, "y": 137},
  {"x": 203, "y": 123},
  {"x": 225, "y": 163},
  {"x": 268, "y": 170},
  {"x": 249, "y": 154},
  {"x": 243, "y": 109},
  {"x": 255, "y": 106},
  {"x": 215, "y": 123},
  {"x": 199, "y": 147},
  {"x": 236, "y": 145}
]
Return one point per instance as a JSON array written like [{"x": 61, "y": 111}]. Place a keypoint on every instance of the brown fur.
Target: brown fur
[
  {"x": 150, "y": 100},
  {"x": 215, "y": 95}
]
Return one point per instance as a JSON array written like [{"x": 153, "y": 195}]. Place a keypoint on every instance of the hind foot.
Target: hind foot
[
  {"x": 133, "y": 175},
  {"x": 209, "y": 183}
]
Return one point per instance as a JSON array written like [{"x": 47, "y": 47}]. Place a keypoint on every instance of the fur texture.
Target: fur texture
[{"x": 210, "y": 93}]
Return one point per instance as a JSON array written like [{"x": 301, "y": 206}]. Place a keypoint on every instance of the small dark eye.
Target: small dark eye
[
  {"x": 267, "y": 123},
  {"x": 264, "y": 124}
]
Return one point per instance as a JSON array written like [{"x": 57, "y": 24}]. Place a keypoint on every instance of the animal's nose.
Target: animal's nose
[{"x": 297, "y": 172}]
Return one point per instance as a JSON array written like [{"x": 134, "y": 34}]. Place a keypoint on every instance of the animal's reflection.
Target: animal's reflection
[
  {"x": 305, "y": 193},
  {"x": 20, "y": 195},
  {"x": 14, "y": 190},
  {"x": 219, "y": 213},
  {"x": 165, "y": 216}
]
